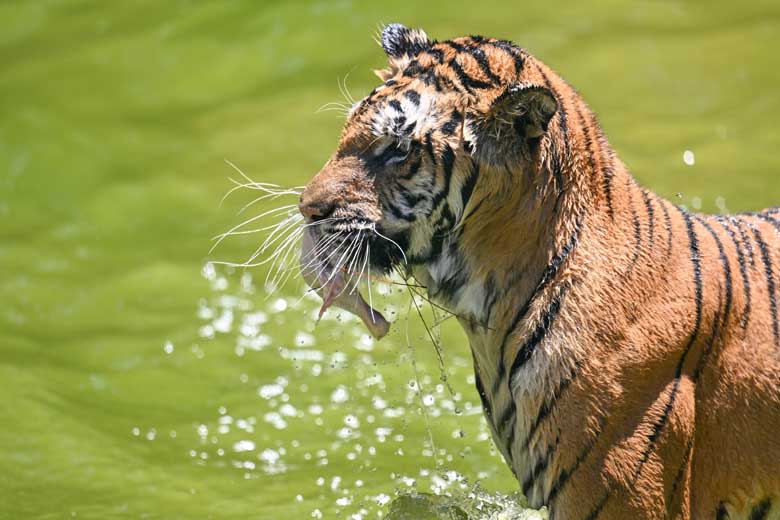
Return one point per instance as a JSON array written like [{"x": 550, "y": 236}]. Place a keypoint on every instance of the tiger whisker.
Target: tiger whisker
[
  {"x": 265, "y": 197},
  {"x": 279, "y": 237},
  {"x": 355, "y": 261},
  {"x": 345, "y": 91},
  {"x": 219, "y": 238},
  {"x": 342, "y": 108},
  {"x": 282, "y": 272},
  {"x": 260, "y": 230},
  {"x": 337, "y": 265},
  {"x": 251, "y": 263},
  {"x": 259, "y": 251},
  {"x": 363, "y": 269},
  {"x": 323, "y": 262},
  {"x": 318, "y": 249},
  {"x": 370, "y": 297},
  {"x": 277, "y": 268},
  {"x": 271, "y": 191},
  {"x": 350, "y": 263},
  {"x": 392, "y": 242}
]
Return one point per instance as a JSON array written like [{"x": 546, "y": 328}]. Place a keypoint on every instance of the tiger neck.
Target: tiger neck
[{"x": 506, "y": 270}]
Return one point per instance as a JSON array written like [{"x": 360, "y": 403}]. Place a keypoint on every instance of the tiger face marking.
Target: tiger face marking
[{"x": 404, "y": 172}]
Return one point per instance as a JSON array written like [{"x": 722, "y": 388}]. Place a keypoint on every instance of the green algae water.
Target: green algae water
[{"x": 141, "y": 379}]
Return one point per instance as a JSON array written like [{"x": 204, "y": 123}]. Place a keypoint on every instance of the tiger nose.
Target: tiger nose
[{"x": 315, "y": 211}]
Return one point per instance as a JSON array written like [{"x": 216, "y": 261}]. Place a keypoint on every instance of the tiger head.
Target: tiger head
[{"x": 412, "y": 152}]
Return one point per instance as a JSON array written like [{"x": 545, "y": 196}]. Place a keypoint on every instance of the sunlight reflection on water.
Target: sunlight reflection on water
[{"x": 360, "y": 423}]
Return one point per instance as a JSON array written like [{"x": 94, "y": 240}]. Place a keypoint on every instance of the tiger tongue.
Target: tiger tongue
[{"x": 336, "y": 292}]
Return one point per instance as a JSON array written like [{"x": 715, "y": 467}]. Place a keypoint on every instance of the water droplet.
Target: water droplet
[
  {"x": 244, "y": 445},
  {"x": 339, "y": 395},
  {"x": 689, "y": 158}
]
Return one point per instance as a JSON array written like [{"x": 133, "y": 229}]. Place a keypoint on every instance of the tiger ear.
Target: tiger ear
[
  {"x": 522, "y": 112},
  {"x": 526, "y": 108},
  {"x": 401, "y": 45},
  {"x": 398, "y": 41}
]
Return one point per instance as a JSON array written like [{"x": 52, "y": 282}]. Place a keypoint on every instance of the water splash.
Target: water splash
[{"x": 381, "y": 427}]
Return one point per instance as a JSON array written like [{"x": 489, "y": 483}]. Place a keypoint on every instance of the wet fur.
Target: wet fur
[{"x": 626, "y": 350}]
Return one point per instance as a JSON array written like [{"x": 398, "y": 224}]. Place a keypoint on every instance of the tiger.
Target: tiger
[{"x": 626, "y": 350}]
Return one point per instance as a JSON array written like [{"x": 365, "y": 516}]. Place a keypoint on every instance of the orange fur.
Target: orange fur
[{"x": 651, "y": 386}]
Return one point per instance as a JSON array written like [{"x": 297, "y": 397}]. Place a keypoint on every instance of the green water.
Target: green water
[{"x": 136, "y": 381}]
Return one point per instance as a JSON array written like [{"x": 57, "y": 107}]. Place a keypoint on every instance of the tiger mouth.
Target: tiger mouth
[{"x": 337, "y": 286}]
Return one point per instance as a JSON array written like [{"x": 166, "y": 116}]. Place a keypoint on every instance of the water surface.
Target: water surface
[{"x": 139, "y": 381}]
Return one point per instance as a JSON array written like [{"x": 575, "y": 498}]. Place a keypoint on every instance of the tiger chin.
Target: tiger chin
[{"x": 626, "y": 350}]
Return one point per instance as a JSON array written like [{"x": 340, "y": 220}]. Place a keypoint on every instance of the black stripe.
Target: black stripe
[
  {"x": 429, "y": 146},
  {"x": 512, "y": 51},
  {"x": 484, "y": 64},
  {"x": 724, "y": 260},
  {"x": 588, "y": 140},
  {"x": 719, "y": 320},
  {"x": 414, "y": 167},
  {"x": 413, "y": 69},
  {"x": 413, "y": 96},
  {"x": 456, "y": 278},
  {"x": 541, "y": 465},
  {"x": 745, "y": 239},
  {"x": 598, "y": 508},
  {"x": 399, "y": 214},
  {"x": 467, "y": 188},
  {"x": 437, "y": 54},
  {"x": 659, "y": 424},
  {"x": 547, "y": 276},
  {"x": 607, "y": 166},
  {"x": 547, "y": 406},
  {"x": 466, "y": 81},
  {"x": 761, "y": 510},
  {"x": 637, "y": 237},
  {"x": 650, "y": 218},
  {"x": 565, "y": 475},
  {"x": 770, "y": 282},
  {"x": 766, "y": 218},
  {"x": 479, "y": 56},
  {"x": 680, "y": 473},
  {"x": 556, "y": 168},
  {"x": 508, "y": 426},
  {"x": 411, "y": 198},
  {"x": 448, "y": 163},
  {"x": 637, "y": 227},
  {"x": 721, "y": 513},
  {"x": 481, "y": 392},
  {"x": 506, "y": 422},
  {"x": 541, "y": 330},
  {"x": 742, "y": 261},
  {"x": 476, "y": 207},
  {"x": 668, "y": 224},
  {"x": 561, "y": 112},
  {"x": 609, "y": 175},
  {"x": 491, "y": 295},
  {"x": 451, "y": 126}
]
